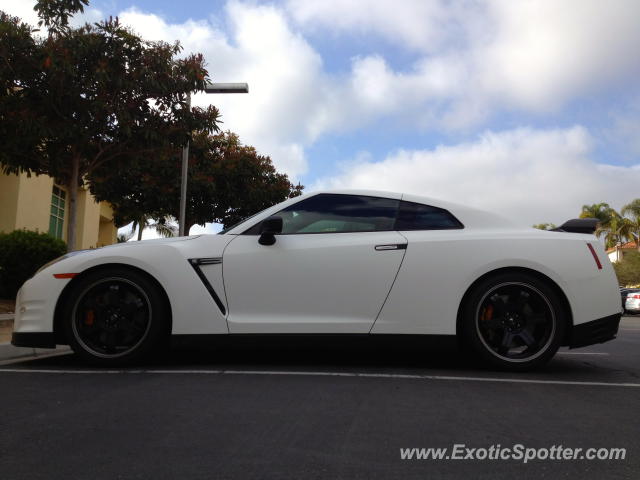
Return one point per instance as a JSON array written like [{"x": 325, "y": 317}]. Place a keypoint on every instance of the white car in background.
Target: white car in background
[
  {"x": 351, "y": 263},
  {"x": 632, "y": 303}
]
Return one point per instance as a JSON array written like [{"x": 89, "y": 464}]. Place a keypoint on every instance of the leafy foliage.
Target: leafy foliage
[
  {"x": 602, "y": 211},
  {"x": 227, "y": 181},
  {"x": 632, "y": 209},
  {"x": 22, "y": 252},
  {"x": 90, "y": 97},
  {"x": 545, "y": 226},
  {"x": 615, "y": 227},
  {"x": 55, "y": 14},
  {"x": 628, "y": 269}
]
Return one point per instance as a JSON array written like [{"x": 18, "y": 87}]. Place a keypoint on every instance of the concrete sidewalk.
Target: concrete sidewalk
[{"x": 6, "y": 327}]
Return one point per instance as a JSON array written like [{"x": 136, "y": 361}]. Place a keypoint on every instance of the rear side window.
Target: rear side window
[{"x": 416, "y": 216}]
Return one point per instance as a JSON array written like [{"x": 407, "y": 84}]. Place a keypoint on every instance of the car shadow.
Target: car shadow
[{"x": 410, "y": 356}]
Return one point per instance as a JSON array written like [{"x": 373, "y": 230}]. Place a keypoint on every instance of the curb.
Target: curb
[{"x": 9, "y": 352}]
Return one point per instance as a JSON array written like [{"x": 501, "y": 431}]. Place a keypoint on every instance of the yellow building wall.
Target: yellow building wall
[
  {"x": 9, "y": 186},
  {"x": 88, "y": 220},
  {"x": 25, "y": 202},
  {"x": 34, "y": 203},
  {"x": 107, "y": 233},
  {"x": 28, "y": 202}
]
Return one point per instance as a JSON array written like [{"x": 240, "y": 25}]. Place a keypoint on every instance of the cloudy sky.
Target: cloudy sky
[{"x": 527, "y": 108}]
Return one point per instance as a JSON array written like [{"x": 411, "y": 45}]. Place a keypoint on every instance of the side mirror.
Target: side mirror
[{"x": 269, "y": 229}]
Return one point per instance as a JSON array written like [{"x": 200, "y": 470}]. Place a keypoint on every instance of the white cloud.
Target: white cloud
[
  {"x": 528, "y": 175},
  {"x": 418, "y": 24},
  {"x": 532, "y": 55},
  {"x": 22, "y": 10},
  {"x": 284, "y": 73}
]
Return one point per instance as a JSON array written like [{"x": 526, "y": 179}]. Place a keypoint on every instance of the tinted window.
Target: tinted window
[
  {"x": 416, "y": 216},
  {"x": 333, "y": 213}
]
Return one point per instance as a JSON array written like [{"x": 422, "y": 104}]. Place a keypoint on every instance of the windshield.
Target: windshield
[{"x": 225, "y": 230}]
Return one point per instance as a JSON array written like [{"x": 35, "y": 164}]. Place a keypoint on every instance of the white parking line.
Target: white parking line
[
  {"x": 583, "y": 353},
  {"x": 324, "y": 374}
]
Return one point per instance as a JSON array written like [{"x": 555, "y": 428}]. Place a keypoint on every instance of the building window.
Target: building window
[{"x": 56, "y": 221}]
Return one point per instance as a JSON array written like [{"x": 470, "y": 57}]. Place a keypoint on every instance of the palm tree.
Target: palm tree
[
  {"x": 618, "y": 230},
  {"x": 125, "y": 237},
  {"x": 165, "y": 226},
  {"x": 602, "y": 211},
  {"x": 632, "y": 209}
]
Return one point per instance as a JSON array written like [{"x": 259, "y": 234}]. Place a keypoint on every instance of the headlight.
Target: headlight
[{"x": 56, "y": 260}]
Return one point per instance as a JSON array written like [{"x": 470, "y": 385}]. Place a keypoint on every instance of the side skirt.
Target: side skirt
[{"x": 320, "y": 341}]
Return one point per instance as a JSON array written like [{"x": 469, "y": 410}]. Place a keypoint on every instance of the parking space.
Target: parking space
[{"x": 318, "y": 412}]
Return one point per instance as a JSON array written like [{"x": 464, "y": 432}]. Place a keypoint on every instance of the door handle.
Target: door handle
[{"x": 394, "y": 246}]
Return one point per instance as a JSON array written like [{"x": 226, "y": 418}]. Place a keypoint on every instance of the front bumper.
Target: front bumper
[
  {"x": 597, "y": 331},
  {"x": 33, "y": 339}
]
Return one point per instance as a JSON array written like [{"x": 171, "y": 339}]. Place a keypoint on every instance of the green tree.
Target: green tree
[
  {"x": 22, "y": 253},
  {"x": 165, "y": 227},
  {"x": 227, "y": 181},
  {"x": 96, "y": 96},
  {"x": 609, "y": 223},
  {"x": 632, "y": 209},
  {"x": 618, "y": 230},
  {"x": 628, "y": 269}
]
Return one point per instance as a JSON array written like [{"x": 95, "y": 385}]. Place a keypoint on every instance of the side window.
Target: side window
[
  {"x": 335, "y": 213},
  {"x": 416, "y": 216}
]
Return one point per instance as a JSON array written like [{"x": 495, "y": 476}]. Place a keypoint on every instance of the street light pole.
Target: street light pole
[
  {"x": 209, "y": 88},
  {"x": 183, "y": 180}
]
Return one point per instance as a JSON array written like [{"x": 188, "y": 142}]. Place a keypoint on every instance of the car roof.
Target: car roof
[{"x": 469, "y": 216}]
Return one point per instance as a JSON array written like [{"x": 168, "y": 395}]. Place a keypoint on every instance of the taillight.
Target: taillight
[
  {"x": 595, "y": 256},
  {"x": 635, "y": 296}
]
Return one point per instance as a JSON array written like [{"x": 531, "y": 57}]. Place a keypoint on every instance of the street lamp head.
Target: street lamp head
[{"x": 226, "y": 88}]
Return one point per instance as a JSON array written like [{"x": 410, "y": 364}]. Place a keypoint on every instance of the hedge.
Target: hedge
[
  {"x": 628, "y": 269},
  {"x": 22, "y": 253}
]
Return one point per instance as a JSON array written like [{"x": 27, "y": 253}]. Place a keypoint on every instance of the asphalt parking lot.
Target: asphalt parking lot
[{"x": 299, "y": 412}]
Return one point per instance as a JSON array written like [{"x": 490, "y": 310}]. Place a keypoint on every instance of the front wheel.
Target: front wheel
[
  {"x": 114, "y": 317},
  {"x": 514, "y": 321}
]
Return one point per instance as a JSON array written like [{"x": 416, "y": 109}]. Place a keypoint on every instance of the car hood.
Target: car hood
[{"x": 155, "y": 241}]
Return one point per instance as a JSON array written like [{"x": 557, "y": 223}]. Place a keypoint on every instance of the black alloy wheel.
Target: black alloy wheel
[
  {"x": 115, "y": 316},
  {"x": 514, "y": 321}
]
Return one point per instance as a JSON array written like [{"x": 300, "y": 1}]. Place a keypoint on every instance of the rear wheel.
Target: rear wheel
[
  {"x": 115, "y": 317},
  {"x": 514, "y": 321}
]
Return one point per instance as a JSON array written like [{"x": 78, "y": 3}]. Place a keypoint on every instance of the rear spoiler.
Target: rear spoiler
[{"x": 578, "y": 225}]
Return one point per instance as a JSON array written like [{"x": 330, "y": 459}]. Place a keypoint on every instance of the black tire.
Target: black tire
[
  {"x": 115, "y": 317},
  {"x": 513, "y": 321}
]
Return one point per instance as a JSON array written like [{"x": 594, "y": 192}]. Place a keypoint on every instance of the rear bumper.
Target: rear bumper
[
  {"x": 33, "y": 339},
  {"x": 596, "y": 331}
]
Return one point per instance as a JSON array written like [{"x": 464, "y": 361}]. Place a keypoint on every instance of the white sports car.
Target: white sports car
[{"x": 344, "y": 262}]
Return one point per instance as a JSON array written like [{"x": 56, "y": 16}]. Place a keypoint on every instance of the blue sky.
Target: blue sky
[{"x": 527, "y": 108}]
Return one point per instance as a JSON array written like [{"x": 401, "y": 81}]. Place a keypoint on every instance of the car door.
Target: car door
[{"x": 329, "y": 271}]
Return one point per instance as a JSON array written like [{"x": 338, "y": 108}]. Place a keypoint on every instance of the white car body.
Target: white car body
[{"x": 335, "y": 282}]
